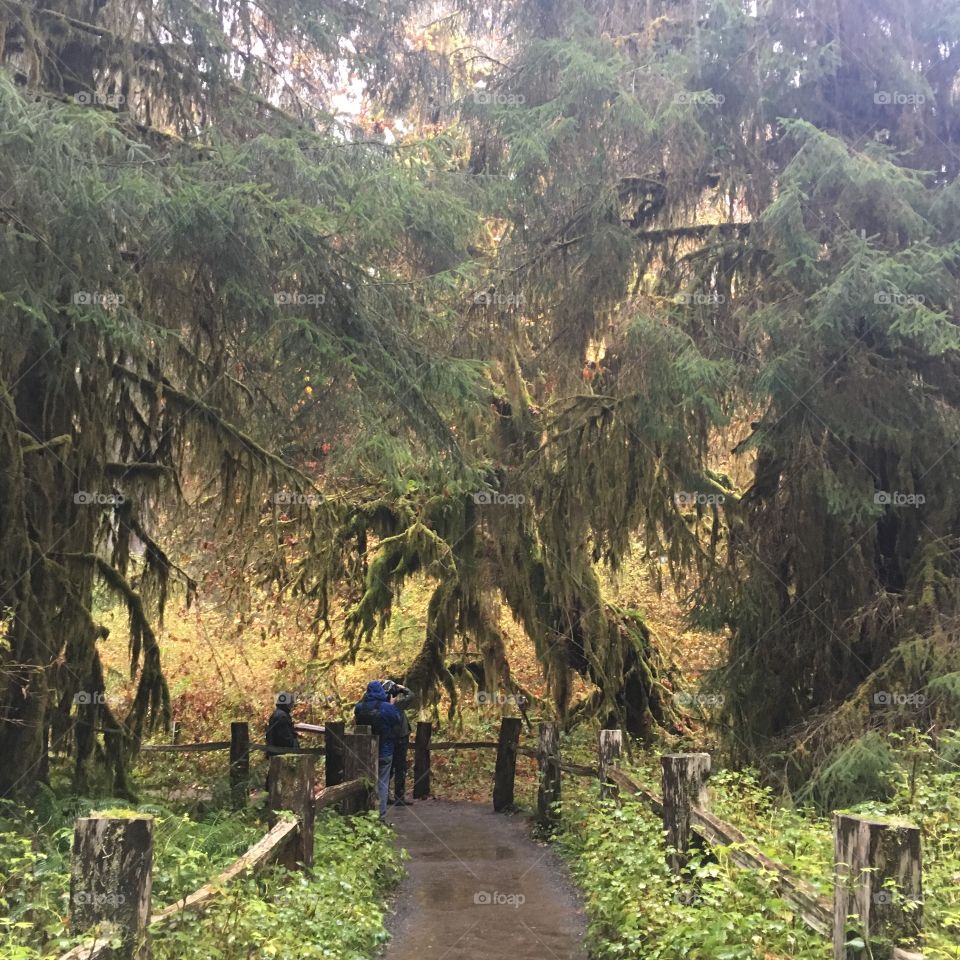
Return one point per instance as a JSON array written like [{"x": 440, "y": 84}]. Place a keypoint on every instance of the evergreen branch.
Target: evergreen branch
[
  {"x": 189, "y": 405},
  {"x": 696, "y": 231}
]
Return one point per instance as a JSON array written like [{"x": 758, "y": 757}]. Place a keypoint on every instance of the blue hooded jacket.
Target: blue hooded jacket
[{"x": 390, "y": 717}]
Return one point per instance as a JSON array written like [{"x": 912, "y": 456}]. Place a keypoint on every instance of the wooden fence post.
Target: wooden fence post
[
  {"x": 609, "y": 751},
  {"x": 291, "y": 788},
  {"x": 549, "y": 760},
  {"x": 239, "y": 764},
  {"x": 878, "y": 881},
  {"x": 421, "y": 760},
  {"x": 506, "y": 769},
  {"x": 361, "y": 762},
  {"x": 684, "y": 786},
  {"x": 111, "y": 873},
  {"x": 333, "y": 752},
  {"x": 362, "y": 729}
]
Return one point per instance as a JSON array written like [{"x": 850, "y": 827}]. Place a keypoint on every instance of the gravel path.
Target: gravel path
[{"x": 478, "y": 887}]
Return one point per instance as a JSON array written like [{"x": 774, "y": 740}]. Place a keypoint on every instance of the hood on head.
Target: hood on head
[
  {"x": 375, "y": 691},
  {"x": 285, "y": 701}
]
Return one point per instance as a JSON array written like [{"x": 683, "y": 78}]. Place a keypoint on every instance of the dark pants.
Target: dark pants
[{"x": 400, "y": 769}]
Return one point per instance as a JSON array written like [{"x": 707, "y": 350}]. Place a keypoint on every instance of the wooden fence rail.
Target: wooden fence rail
[
  {"x": 99, "y": 891},
  {"x": 877, "y": 887}
]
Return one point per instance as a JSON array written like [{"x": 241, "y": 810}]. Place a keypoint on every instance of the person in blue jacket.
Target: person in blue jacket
[{"x": 376, "y": 710}]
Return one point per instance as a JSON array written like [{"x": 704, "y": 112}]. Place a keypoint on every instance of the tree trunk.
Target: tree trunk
[
  {"x": 111, "y": 878},
  {"x": 333, "y": 752},
  {"x": 548, "y": 793},
  {"x": 609, "y": 751},
  {"x": 878, "y": 883},
  {"x": 506, "y": 769},
  {"x": 291, "y": 788},
  {"x": 684, "y": 786}
]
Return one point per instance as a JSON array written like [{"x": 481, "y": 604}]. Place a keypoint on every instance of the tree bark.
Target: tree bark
[
  {"x": 291, "y": 788},
  {"x": 361, "y": 762},
  {"x": 333, "y": 752},
  {"x": 609, "y": 751},
  {"x": 548, "y": 793},
  {"x": 421, "y": 760},
  {"x": 111, "y": 877},
  {"x": 684, "y": 787},
  {"x": 239, "y": 764},
  {"x": 878, "y": 882},
  {"x": 506, "y": 769}
]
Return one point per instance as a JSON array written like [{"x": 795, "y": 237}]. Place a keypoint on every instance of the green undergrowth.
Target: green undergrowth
[
  {"x": 638, "y": 909},
  {"x": 337, "y": 911},
  {"x": 922, "y": 787},
  {"x": 35, "y": 864}
]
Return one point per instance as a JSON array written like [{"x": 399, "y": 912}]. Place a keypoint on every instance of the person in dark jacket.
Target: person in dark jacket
[
  {"x": 402, "y": 697},
  {"x": 281, "y": 734},
  {"x": 280, "y": 730},
  {"x": 376, "y": 710}
]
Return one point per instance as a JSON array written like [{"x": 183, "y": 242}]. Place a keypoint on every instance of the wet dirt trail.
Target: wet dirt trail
[{"x": 478, "y": 886}]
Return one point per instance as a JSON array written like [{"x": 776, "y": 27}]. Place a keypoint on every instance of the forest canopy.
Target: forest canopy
[{"x": 497, "y": 297}]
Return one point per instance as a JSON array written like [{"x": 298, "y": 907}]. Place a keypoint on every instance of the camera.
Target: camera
[{"x": 393, "y": 689}]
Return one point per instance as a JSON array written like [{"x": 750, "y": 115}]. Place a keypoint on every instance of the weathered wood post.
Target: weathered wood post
[
  {"x": 111, "y": 873},
  {"x": 878, "y": 883},
  {"x": 333, "y": 752},
  {"x": 684, "y": 786},
  {"x": 175, "y": 731},
  {"x": 548, "y": 793},
  {"x": 291, "y": 788},
  {"x": 609, "y": 752},
  {"x": 361, "y": 762},
  {"x": 421, "y": 760},
  {"x": 362, "y": 729},
  {"x": 506, "y": 769},
  {"x": 239, "y": 764}
]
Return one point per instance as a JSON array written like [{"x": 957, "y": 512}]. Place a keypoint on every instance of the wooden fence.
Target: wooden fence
[
  {"x": 112, "y": 858},
  {"x": 877, "y": 888}
]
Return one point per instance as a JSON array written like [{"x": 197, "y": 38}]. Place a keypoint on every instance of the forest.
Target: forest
[{"x": 589, "y": 370}]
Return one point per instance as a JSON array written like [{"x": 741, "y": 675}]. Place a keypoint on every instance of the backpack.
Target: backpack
[{"x": 368, "y": 714}]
